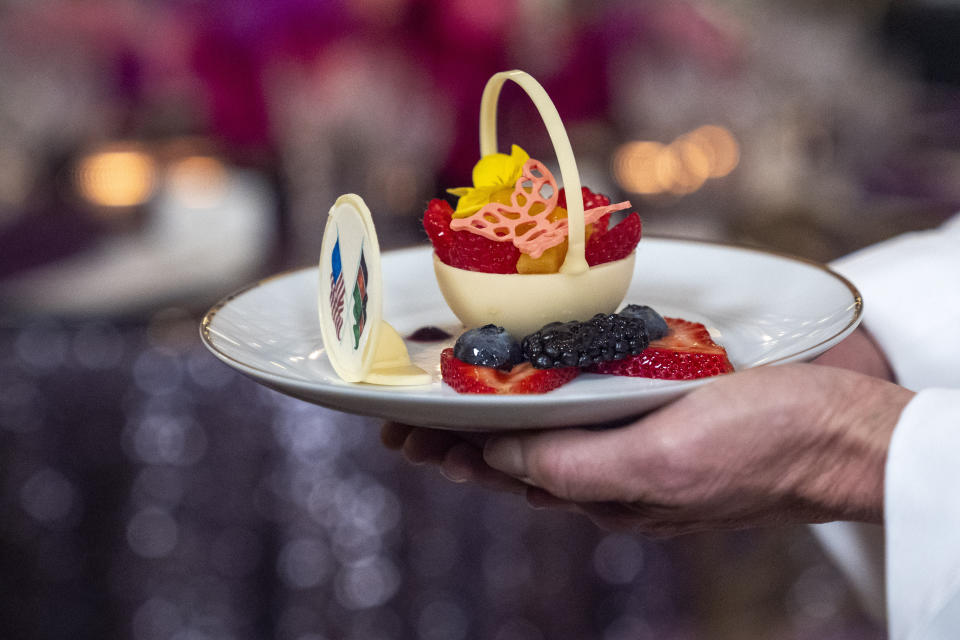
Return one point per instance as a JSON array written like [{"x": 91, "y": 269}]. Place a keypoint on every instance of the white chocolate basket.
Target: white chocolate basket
[{"x": 522, "y": 303}]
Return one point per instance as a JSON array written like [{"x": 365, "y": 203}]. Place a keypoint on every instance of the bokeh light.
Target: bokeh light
[
  {"x": 156, "y": 619},
  {"x": 719, "y": 146},
  {"x": 42, "y": 346},
  {"x": 198, "y": 182},
  {"x": 366, "y": 584},
  {"x": 48, "y": 496},
  {"x": 681, "y": 167},
  {"x": 635, "y": 167},
  {"x": 152, "y": 533},
  {"x": 304, "y": 563},
  {"x": 116, "y": 177},
  {"x": 98, "y": 345},
  {"x": 618, "y": 559}
]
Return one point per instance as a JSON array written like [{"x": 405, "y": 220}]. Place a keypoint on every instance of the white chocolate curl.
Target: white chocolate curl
[{"x": 537, "y": 233}]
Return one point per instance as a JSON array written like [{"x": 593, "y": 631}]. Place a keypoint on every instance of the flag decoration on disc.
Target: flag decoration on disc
[
  {"x": 360, "y": 301},
  {"x": 337, "y": 288}
]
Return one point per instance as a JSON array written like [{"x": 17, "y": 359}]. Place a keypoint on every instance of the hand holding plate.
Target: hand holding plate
[{"x": 797, "y": 443}]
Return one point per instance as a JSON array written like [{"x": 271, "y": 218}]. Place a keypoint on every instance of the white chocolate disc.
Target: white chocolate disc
[
  {"x": 361, "y": 347},
  {"x": 351, "y": 290}
]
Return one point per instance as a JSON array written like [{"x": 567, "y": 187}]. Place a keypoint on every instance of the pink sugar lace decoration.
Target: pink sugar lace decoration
[{"x": 537, "y": 233}]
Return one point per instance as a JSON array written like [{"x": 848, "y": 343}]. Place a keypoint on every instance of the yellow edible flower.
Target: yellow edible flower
[{"x": 491, "y": 174}]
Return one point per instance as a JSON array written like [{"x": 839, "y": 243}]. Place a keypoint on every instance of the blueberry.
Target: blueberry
[
  {"x": 656, "y": 325},
  {"x": 488, "y": 346}
]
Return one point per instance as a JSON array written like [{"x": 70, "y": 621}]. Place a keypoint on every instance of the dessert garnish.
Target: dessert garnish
[
  {"x": 465, "y": 250},
  {"x": 687, "y": 352},
  {"x": 484, "y": 361},
  {"x": 531, "y": 218},
  {"x": 494, "y": 178},
  {"x": 488, "y": 346},
  {"x": 653, "y": 321},
  {"x": 522, "y": 378},
  {"x": 360, "y": 345},
  {"x": 530, "y": 215},
  {"x": 581, "y": 344},
  {"x": 516, "y": 222}
]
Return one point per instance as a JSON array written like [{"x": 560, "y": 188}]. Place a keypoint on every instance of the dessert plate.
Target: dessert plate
[{"x": 765, "y": 308}]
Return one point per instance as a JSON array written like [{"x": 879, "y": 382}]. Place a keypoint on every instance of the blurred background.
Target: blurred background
[{"x": 157, "y": 154}]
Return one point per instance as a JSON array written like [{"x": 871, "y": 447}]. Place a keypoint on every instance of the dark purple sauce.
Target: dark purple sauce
[{"x": 429, "y": 334}]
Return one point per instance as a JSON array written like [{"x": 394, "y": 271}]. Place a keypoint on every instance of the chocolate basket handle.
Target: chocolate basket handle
[{"x": 575, "y": 261}]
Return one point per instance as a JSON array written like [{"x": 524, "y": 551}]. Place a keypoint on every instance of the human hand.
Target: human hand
[
  {"x": 858, "y": 352},
  {"x": 794, "y": 443}
]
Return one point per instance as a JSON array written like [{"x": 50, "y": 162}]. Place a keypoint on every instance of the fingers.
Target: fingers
[
  {"x": 459, "y": 455},
  {"x": 859, "y": 352},
  {"x": 428, "y": 446},
  {"x": 461, "y": 458},
  {"x": 394, "y": 434},
  {"x": 464, "y": 463},
  {"x": 419, "y": 446},
  {"x": 614, "y": 516}
]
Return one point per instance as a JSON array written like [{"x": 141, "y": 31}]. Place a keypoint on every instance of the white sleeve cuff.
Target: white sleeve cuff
[{"x": 921, "y": 515}]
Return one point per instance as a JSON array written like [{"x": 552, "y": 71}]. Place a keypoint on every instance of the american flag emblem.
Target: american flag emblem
[
  {"x": 337, "y": 288},
  {"x": 360, "y": 301}
]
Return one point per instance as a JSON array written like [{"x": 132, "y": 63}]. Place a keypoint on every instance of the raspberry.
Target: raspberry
[
  {"x": 463, "y": 249},
  {"x": 590, "y": 200},
  {"x": 615, "y": 243},
  {"x": 580, "y": 344}
]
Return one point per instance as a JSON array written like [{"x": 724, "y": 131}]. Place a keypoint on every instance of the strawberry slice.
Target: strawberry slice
[
  {"x": 522, "y": 378},
  {"x": 463, "y": 249},
  {"x": 687, "y": 352},
  {"x": 616, "y": 243}
]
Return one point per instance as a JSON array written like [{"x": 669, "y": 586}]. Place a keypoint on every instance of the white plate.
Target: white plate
[{"x": 764, "y": 308}]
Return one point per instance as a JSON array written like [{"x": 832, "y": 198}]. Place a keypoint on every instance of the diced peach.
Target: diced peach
[
  {"x": 552, "y": 258},
  {"x": 548, "y": 262}
]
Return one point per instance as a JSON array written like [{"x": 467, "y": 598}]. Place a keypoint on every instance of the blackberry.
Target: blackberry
[
  {"x": 488, "y": 346},
  {"x": 656, "y": 325},
  {"x": 602, "y": 338}
]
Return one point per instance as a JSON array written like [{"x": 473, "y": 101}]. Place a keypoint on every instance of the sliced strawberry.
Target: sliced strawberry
[
  {"x": 523, "y": 378},
  {"x": 615, "y": 243},
  {"x": 685, "y": 353},
  {"x": 463, "y": 249}
]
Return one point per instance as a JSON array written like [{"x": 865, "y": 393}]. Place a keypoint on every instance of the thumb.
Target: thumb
[{"x": 573, "y": 464}]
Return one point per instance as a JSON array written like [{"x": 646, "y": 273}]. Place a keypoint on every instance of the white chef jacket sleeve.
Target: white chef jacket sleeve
[
  {"x": 922, "y": 519},
  {"x": 911, "y": 291},
  {"x": 911, "y": 303}
]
